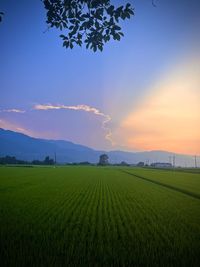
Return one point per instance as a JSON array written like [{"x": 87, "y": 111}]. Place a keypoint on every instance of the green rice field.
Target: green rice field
[{"x": 99, "y": 216}]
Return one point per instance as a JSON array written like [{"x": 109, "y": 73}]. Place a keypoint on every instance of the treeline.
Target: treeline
[{"x": 12, "y": 160}]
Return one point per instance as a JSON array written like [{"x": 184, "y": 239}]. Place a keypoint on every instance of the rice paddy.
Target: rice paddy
[{"x": 99, "y": 216}]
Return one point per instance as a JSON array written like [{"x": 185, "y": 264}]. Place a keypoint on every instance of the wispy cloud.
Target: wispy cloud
[
  {"x": 14, "y": 110},
  {"x": 85, "y": 108}
]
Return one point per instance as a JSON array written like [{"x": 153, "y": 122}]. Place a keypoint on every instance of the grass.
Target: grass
[{"x": 90, "y": 216}]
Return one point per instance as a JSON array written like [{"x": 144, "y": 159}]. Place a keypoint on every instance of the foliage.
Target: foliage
[
  {"x": 140, "y": 164},
  {"x": 46, "y": 161},
  {"x": 13, "y": 160},
  {"x": 90, "y": 216},
  {"x": 89, "y": 22},
  {"x": 103, "y": 160},
  {"x": 1, "y": 16}
]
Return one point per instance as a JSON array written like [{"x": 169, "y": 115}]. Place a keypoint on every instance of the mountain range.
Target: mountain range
[{"x": 28, "y": 148}]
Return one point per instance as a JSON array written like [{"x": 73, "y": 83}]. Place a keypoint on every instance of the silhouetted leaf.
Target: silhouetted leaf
[{"x": 91, "y": 22}]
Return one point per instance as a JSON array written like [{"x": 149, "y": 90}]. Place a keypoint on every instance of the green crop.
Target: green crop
[{"x": 99, "y": 216}]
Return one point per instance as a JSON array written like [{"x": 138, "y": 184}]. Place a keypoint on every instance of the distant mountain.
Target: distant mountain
[
  {"x": 28, "y": 148},
  {"x": 151, "y": 156}
]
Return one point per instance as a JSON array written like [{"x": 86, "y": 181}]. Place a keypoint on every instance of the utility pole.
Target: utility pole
[
  {"x": 195, "y": 161},
  {"x": 55, "y": 158},
  {"x": 174, "y": 160}
]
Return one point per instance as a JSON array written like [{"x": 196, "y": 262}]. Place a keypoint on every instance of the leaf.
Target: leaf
[
  {"x": 71, "y": 45},
  {"x": 95, "y": 48},
  {"x": 116, "y": 27},
  {"x": 66, "y": 44},
  {"x": 131, "y": 12},
  {"x": 116, "y": 37},
  {"x": 100, "y": 47},
  {"x": 89, "y": 22},
  {"x": 110, "y": 10}
]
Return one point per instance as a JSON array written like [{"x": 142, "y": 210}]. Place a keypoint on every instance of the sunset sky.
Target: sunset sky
[{"x": 142, "y": 93}]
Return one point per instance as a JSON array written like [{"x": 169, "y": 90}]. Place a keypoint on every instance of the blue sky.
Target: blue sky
[{"x": 36, "y": 69}]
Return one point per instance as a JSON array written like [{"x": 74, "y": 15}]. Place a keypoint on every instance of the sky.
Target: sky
[{"x": 142, "y": 93}]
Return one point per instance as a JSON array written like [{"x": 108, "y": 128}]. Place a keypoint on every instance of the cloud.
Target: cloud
[
  {"x": 14, "y": 110},
  {"x": 85, "y": 108}
]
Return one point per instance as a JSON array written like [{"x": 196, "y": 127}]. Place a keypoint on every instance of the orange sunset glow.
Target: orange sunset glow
[{"x": 168, "y": 118}]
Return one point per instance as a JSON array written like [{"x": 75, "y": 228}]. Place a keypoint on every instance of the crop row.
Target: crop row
[{"x": 88, "y": 216}]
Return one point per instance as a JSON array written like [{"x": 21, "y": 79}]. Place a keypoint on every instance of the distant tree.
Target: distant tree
[
  {"x": 103, "y": 160},
  {"x": 48, "y": 161},
  {"x": 123, "y": 163},
  {"x": 89, "y": 22},
  {"x": 37, "y": 162},
  {"x": 84, "y": 163},
  {"x": 140, "y": 164},
  {"x": 11, "y": 160},
  {"x": 8, "y": 160}
]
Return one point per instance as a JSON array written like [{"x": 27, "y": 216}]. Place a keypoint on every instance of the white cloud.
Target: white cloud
[
  {"x": 14, "y": 110},
  {"x": 85, "y": 108}
]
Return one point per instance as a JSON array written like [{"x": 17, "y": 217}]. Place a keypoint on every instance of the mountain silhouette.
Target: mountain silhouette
[{"x": 29, "y": 148}]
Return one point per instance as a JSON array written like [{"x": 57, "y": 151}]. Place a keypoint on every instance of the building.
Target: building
[{"x": 161, "y": 165}]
